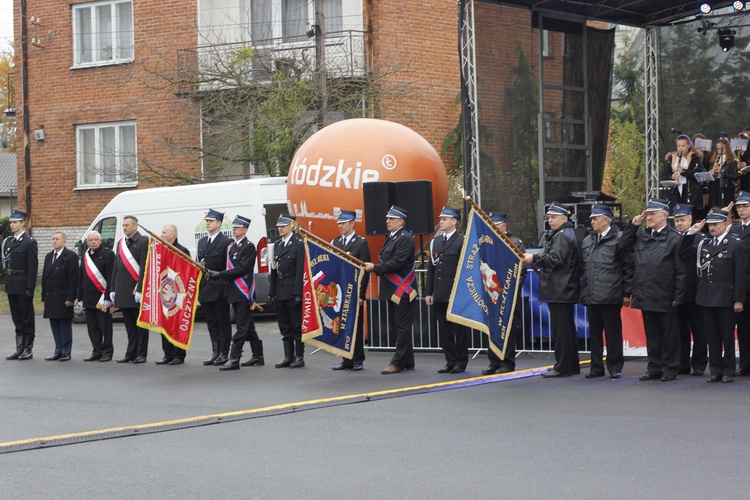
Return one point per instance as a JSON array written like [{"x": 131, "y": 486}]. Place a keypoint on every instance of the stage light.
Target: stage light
[
  {"x": 738, "y": 6},
  {"x": 726, "y": 39},
  {"x": 705, "y": 8}
]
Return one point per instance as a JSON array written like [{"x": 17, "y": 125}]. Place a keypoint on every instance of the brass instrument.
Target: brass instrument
[{"x": 677, "y": 167}]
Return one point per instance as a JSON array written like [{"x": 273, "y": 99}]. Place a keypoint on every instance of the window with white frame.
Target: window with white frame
[
  {"x": 545, "y": 43},
  {"x": 106, "y": 155},
  {"x": 102, "y": 32},
  {"x": 291, "y": 16}
]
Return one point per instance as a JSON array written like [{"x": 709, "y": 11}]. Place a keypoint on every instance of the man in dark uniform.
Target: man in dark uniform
[
  {"x": 96, "y": 268},
  {"x": 239, "y": 273},
  {"x": 125, "y": 288},
  {"x": 356, "y": 246},
  {"x": 560, "y": 286},
  {"x": 605, "y": 288},
  {"x": 722, "y": 287},
  {"x": 742, "y": 230},
  {"x": 396, "y": 271},
  {"x": 689, "y": 317},
  {"x": 507, "y": 365},
  {"x": 21, "y": 264},
  {"x": 659, "y": 286},
  {"x": 445, "y": 252},
  {"x": 173, "y": 355},
  {"x": 285, "y": 291},
  {"x": 59, "y": 283},
  {"x": 212, "y": 253}
]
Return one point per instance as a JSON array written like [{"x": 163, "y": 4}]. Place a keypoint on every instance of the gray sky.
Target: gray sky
[{"x": 6, "y": 23}]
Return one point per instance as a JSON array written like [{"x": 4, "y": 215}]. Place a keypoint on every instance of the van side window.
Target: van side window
[
  {"x": 272, "y": 212},
  {"x": 108, "y": 229}
]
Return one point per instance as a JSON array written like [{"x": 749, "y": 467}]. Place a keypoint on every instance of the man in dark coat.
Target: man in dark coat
[
  {"x": 605, "y": 288},
  {"x": 285, "y": 291},
  {"x": 560, "y": 286},
  {"x": 125, "y": 288},
  {"x": 356, "y": 246},
  {"x": 59, "y": 283},
  {"x": 722, "y": 287},
  {"x": 239, "y": 273},
  {"x": 742, "y": 230},
  {"x": 212, "y": 253},
  {"x": 96, "y": 269},
  {"x": 396, "y": 271},
  {"x": 659, "y": 286},
  {"x": 445, "y": 252},
  {"x": 21, "y": 265},
  {"x": 173, "y": 355}
]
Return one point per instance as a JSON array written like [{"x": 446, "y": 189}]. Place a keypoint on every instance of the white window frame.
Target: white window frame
[
  {"x": 119, "y": 54},
  {"x": 545, "y": 43},
  {"x": 99, "y": 183},
  {"x": 277, "y": 8}
]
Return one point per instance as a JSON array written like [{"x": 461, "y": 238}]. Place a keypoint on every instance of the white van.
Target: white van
[{"x": 260, "y": 199}]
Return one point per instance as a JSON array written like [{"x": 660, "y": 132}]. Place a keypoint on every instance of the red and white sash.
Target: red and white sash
[
  {"x": 94, "y": 274},
  {"x": 129, "y": 261}
]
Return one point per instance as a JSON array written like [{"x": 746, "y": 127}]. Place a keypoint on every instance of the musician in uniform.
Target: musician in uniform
[
  {"x": 21, "y": 264},
  {"x": 59, "y": 283},
  {"x": 722, "y": 287},
  {"x": 741, "y": 229},
  {"x": 285, "y": 291},
  {"x": 96, "y": 268},
  {"x": 743, "y": 159},
  {"x": 356, "y": 246},
  {"x": 659, "y": 286},
  {"x": 212, "y": 254},
  {"x": 724, "y": 170},
  {"x": 124, "y": 289},
  {"x": 445, "y": 253},
  {"x": 507, "y": 365},
  {"x": 173, "y": 355},
  {"x": 681, "y": 167},
  {"x": 560, "y": 286},
  {"x": 396, "y": 272}
]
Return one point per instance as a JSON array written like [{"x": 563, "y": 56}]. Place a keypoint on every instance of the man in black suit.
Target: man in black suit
[
  {"x": 356, "y": 246},
  {"x": 239, "y": 273},
  {"x": 21, "y": 264},
  {"x": 445, "y": 252},
  {"x": 285, "y": 291},
  {"x": 722, "y": 287},
  {"x": 742, "y": 230},
  {"x": 59, "y": 283},
  {"x": 396, "y": 271},
  {"x": 212, "y": 253},
  {"x": 125, "y": 288},
  {"x": 96, "y": 268},
  {"x": 173, "y": 355}
]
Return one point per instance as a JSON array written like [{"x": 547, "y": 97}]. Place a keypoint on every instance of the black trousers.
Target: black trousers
[
  {"x": 514, "y": 333},
  {"x": 400, "y": 318},
  {"x": 605, "y": 318},
  {"x": 358, "y": 355},
  {"x": 99, "y": 325},
  {"x": 218, "y": 322},
  {"x": 137, "y": 336},
  {"x": 566, "y": 338},
  {"x": 22, "y": 313},
  {"x": 743, "y": 337},
  {"x": 453, "y": 337},
  {"x": 244, "y": 324},
  {"x": 171, "y": 351},
  {"x": 719, "y": 323},
  {"x": 62, "y": 332},
  {"x": 690, "y": 322},
  {"x": 289, "y": 317},
  {"x": 662, "y": 343}
]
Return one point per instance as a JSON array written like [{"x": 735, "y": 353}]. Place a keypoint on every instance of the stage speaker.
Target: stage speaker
[
  {"x": 416, "y": 197},
  {"x": 378, "y": 197}
]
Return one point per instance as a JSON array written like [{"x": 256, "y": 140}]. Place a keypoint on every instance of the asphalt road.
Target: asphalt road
[{"x": 525, "y": 437}]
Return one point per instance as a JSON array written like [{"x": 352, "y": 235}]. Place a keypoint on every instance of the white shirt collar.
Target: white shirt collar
[{"x": 448, "y": 235}]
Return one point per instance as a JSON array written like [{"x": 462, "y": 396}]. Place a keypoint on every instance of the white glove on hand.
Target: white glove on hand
[
  {"x": 112, "y": 296},
  {"x": 107, "y": 304},
  {"x": 137, "y": 297}
]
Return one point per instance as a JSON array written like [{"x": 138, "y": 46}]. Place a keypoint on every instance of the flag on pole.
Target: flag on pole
[
  {"x": 170, "y": 292},
  {"x": 330, "y": 302},
  {"x": 487, "y": 279}
]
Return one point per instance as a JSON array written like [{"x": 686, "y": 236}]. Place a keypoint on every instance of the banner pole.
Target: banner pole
[
  {"x": 332, "y": 248},
  {"x": 176, "y": 250}
]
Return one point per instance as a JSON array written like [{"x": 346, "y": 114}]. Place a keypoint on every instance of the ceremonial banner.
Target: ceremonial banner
[
  {"x": 330, "y": 302},
  {"x": 487, "y": 279},
  {"x": 170, "y": 291}
]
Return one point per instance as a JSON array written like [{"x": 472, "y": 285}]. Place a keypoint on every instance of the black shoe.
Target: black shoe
[
  {"x": 139, "y": 360},
  {"x": 163, "y": 361},
  {"x": 231, "y": 364},
  {"x": 357, "y": 368},
  {"x": 210, "y": 361},
  {"x": 54, "y": 357},
  {"x": 124, "y": 360},
  {"x": 223, "y": 358},
  {"x": 254, "y": 361},
  {"x": 594, "y": 375},
  {"x": 649, "y": 376},
  {"x": 458, "y": 369},
  {"x": 714, "y": 378},
  {"x": 14, "y": 355},
  {"x": 505, "y": 369},
  {"x": 727, "y": 380},
  {"x": 299, "y": 362},
  {"x": 615, "y": 375},
  {"x": 490, "y": 370},
  {"x": 93, "y": 357},
  {"x": 104, "y": 359},
  {"x": 552, "y": 373},
  {"x": 284, "y": 363},
  {"x": 176, "y": 361},
  {"x": 446, "y": 369},
  {"x": 26, "y": 354},
  {"x": 668, "y": 378},
  {"x": 65, "y": 357},
  {"x": 696, "y": 373},
  {"x": 342, "y": 366}
]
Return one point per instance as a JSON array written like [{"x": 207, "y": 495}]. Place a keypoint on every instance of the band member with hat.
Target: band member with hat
[
  {"x": 741, "y": 229},
  {"x": 689, "y": 317},
  {"x": 239, "y": 276},
  {"x": 212, "y": 253},
  {"x": 173, "y": 355},
  {"x": 560, "y": 286},
  {"x": 356, "y": 246},
  {"x": 95, "y": 272},
  {"x": 722, "y": 287},
  {"x": 605, "y": 288},
  {"x": 507, "y": 365},
  {"x": 124, "y": 289},
  {"x": 396, "y": 272},
  {"x": 21, "y": 258},
  {"x": 285, "y": 291},
  {"x": 59, "y": 284},
  {"x": 445, "y": 252},
  {"x": 659, "y": 286}
]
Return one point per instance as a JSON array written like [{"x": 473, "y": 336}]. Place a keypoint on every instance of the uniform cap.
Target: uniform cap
[
  {"x": 498, "y": 217},
  {"x": 347, "y": 216},
  {"x": 558, "y": 209},
  {"x": 397, "y": 213},
  {"x": 598, "y": 210},
  {"x": 450, "y": 212},
  {"x": 715, "y": 215},
  {"x": 17, "y": 215},
  {"x": 214, "y": 215},
  {"x": 681, "y": 209},
  {"x": 285, "y": 220},
  {"x": 240, "y": 221},
  {"x": 743, "y": 198},
  {"x": 655, "y": 204}
]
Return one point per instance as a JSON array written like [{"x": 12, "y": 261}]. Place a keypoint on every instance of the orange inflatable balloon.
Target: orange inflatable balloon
[{"x": 328, "y": 171}]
